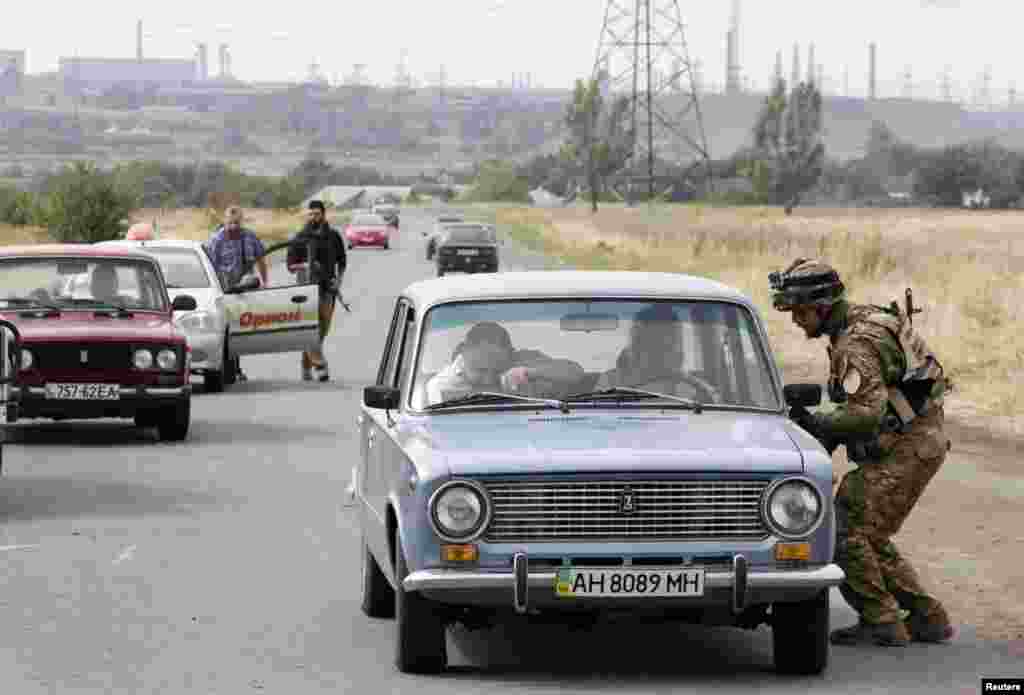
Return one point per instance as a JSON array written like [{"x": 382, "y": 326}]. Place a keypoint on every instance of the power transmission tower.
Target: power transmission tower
[{"x": 638, "y": 38}]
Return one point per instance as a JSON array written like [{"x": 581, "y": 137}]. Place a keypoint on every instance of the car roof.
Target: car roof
[
  {"x": 165, "y": 243},
  {"x": 82, "y": 250},
  {"x": 569, "y": 284}
]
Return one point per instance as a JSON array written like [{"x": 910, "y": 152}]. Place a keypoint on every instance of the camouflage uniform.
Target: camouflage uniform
[{"x": 889, "y": 388}]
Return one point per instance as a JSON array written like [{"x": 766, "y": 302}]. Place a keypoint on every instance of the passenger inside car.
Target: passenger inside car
[
  {"x": 654, "y": 357},
  {"x": 487, "y": 361},
  {"x": 104, "y": 286}
]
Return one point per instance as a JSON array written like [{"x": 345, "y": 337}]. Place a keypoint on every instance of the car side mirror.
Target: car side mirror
[
  {"x": 382, "y": 397},
  {"x": 251, "y": 283},
  {"x": 806, "y": 395},
  {"x": 184, "y": 302}
]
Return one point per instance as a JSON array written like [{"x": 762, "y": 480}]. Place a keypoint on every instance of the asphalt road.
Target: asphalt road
[{"x": 226, "y": 564}]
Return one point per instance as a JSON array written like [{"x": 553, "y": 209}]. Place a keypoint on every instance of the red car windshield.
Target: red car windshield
[{"x": 82, "y": 282}]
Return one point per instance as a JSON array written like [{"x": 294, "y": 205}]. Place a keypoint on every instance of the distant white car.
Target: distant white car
[{"x": 230, "y": 322}]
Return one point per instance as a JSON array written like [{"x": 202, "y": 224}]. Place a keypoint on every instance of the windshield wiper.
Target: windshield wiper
[
  {"x": 30, "y": 303},
  {"x": 496, "y": 396},
  {"x": 619, "y": 392},
  {"x": 105, "y": 306}
]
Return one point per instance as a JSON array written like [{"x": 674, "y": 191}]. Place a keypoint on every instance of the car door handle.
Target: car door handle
[{"x": 299, "y": 298}]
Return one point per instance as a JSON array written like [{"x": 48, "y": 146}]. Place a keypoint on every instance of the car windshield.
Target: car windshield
[
  {"x": 84, "y": 281},
  {"x": 703, "y": 351},
  {"x": 182, "y": 268},
  {"x": 469, "y": 234},
  {"x": 368, "y": 221}
]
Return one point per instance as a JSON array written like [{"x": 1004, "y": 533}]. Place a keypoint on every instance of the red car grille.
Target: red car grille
[{"x": 69, "y": 356}]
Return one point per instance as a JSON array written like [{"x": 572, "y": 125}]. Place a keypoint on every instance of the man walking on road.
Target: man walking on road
[
  {"x": 888, "y": 388},
  {"x": 322, "y": 247},
  {"x": 230, "y": 249}
]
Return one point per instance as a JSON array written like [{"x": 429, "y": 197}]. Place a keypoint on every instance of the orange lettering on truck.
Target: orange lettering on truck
[{"x": 253, "y": 320}]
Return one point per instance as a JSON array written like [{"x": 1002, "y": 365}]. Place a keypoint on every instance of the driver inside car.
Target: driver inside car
[
  {"x": 487, "y": 361},
  {"x": 653, "y": 359},
  {"x": 104, "y": 286}
]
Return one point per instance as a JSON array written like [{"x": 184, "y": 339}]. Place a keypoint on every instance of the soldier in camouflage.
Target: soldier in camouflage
[{"x": 888, "y": 389}]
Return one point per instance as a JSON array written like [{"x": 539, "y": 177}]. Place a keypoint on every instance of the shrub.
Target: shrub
[{"x": 85, "y": 204}]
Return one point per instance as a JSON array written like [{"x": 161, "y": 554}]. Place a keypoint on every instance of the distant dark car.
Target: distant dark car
[
  {"x": 368, "y": 230},
  {"x": 107, "y": 347},
  {"x": 468, "y": 248}
]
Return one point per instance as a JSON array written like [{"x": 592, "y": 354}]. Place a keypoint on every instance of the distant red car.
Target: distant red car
[
  {"x": 98, "y": 338},
  {"x": 368, "y": 230}
]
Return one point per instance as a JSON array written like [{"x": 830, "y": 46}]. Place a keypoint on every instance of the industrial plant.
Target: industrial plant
[{"x": 194, "y": 108}]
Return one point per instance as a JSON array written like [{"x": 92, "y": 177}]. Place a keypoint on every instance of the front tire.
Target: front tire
[
  {"x": 228, "y": 371},
  {"x": 174, "y": 421},
  {"x": 420, "y": 640},
  {"x": 800, "y": 636},
  {"x": 213, "y": 382},
  {"x": 378, "y": 596}
]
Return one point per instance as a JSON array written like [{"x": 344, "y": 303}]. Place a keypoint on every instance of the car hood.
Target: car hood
[
  {"x": 485, "y": 444},
  {"x": 73, "y": 326}
]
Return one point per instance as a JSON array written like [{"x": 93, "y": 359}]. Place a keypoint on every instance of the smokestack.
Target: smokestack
[
  {"x": 729, "y": 86},
  {"x": 811, "y": 73},
  {"x": 204, "y": 70},
  {"x": 138, "y": 40},
  {"x": 871, "y": 71},
  {"x": 223, "y": 59},
  {"x": 796, "y": 66},
  {"x": 778, "y": 67}
]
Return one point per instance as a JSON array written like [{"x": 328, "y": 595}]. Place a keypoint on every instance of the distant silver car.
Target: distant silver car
[{"x": 581, "y": 443}]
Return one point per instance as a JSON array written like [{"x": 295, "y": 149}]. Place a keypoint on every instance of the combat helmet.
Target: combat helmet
[{"x": 806, "y": 281}]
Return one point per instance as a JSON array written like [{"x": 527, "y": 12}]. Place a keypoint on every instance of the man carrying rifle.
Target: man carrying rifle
[
  {"x": 321, "y": 247},
  {"x": 888, "y": 389}
]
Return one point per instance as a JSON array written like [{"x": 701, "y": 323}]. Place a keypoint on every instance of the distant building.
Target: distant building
[
  {"x": 102, "y": 73},
  {"x": 12, "y": 72}
]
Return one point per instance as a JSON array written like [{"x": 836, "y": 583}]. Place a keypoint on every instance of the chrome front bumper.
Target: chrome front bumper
[{"x": 745, "y": 585}]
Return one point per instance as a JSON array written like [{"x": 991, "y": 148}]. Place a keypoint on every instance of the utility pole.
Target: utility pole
[{"x": 644, "y": 36}]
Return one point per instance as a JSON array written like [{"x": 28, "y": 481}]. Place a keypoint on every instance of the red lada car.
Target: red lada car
[
  {"x": 368, "y": 230},
  {"x": 98, "y": 338}
]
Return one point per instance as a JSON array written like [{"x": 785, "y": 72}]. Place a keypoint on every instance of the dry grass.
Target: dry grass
[{"x": 965, "y": 269}]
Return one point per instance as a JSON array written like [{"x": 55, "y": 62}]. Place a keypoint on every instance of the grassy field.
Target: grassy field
[{"x": 966, "y": 270}]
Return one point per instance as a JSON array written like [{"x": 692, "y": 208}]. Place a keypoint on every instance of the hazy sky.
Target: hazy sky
[{"x": 483, "y": 41}]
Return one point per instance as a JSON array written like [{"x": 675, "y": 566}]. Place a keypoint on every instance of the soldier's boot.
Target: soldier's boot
[
  {"x": 881, "y": 634},
  {"x": 931, "y": 624}
]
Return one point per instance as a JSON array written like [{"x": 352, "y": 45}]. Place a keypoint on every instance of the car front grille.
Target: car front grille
[
  {"x": 691, "y": 510},
  {"x": 69, "y": 356}
]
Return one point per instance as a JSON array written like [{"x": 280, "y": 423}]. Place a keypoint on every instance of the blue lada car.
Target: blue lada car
[{"x": 579, "y": 443}]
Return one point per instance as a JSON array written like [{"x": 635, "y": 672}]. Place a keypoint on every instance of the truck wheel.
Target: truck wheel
[
  {"x": 800, "y": 636},
  {"x": 174, "y": 421},
  {"x": 378, "y": 596},
  {"x": 420, "y": 640}
]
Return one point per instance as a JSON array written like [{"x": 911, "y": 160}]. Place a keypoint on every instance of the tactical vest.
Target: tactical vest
[{"x": 921, "y": 386}]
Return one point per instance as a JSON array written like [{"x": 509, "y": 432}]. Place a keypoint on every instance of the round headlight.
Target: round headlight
[
  {"x": 142, "y": 359},
  {"x": 459, "y": 511},
  {"x": 26, "y": 359},
  {"x": 167, "y": 359},
  {"x": 793, "y": 508}
]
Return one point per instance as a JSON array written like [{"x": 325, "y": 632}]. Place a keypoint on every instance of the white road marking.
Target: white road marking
[
  {"x": 126, "y": 554},
  {"x": 5, "y": 548}
]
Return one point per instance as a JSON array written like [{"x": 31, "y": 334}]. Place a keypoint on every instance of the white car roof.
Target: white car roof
[
  {"x": 166, "y": 243},
  {"x": 570, "y": 284}
]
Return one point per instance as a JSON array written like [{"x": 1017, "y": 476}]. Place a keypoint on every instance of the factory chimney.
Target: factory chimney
[
  {"x": 204, "y": 70},
  {"x": 223, "y": 55},
  {"x": 871, "y": 71},
  {"x": 138, "y": 40}
]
